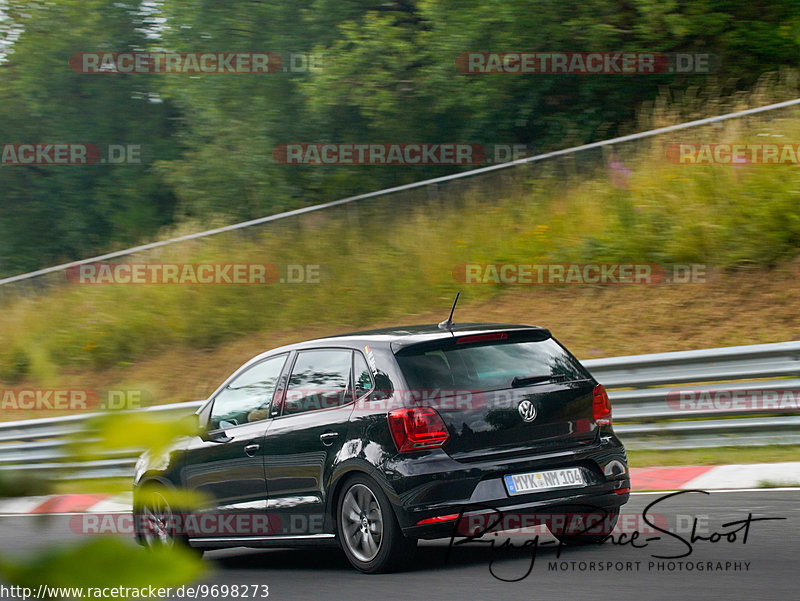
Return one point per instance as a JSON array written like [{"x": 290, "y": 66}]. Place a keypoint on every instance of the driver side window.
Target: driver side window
[{"x": 247, "y": 398}]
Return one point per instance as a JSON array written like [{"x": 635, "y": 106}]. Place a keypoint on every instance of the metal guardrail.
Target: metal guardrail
[
  {"x": 645, "y": 395},
  {"x": 38, "y": 446},
  {"x": 644, "y": 391}
]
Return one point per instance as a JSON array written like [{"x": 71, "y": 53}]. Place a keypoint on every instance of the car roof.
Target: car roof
[
  {"x": 395, "y": 338},
  {"x": 403, "y": 336}
]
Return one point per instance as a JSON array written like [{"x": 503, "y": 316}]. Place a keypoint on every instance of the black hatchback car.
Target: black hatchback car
[{"x": 377, "y": 439}]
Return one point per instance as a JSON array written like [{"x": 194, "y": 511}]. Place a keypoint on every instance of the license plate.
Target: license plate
[{"x": 565, "y": 478}]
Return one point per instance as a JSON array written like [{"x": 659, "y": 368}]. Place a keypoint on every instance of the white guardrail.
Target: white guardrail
[{"x": 733, "y": 396}]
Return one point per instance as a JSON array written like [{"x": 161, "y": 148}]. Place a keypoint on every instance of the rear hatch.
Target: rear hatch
[{"x": 502, "y": 393}]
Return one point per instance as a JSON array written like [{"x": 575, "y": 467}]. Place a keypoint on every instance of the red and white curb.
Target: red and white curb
[
  {"x": 716, "y": 477},
  {"x": 702, "y": 477},
  {"x": 75, "y": 503}
]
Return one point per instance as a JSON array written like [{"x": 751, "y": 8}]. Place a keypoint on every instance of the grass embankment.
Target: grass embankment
[
  {"x": 395, "y": 264},
  {"x": 740, "y": 308}
]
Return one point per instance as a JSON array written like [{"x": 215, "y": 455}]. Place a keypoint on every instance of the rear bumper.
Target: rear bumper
[
  {"x": 510, "y": 514},
  {"x": 435, "y": 487}
]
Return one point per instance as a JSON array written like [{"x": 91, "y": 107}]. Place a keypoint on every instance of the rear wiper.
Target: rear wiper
[{"x": 520, "y": 381}]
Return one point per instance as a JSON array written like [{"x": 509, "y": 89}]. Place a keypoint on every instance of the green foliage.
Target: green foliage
[
  {"x": 387, "y": 74},
  {"x": 115, "y": 431},
  {"x": 16, "y": 367},
  {"x": 55, "y": 212},
  {"x": 107, "y": 562},
  {"x": 104, "y": 562},
  {"x": 22, "y": 484}
]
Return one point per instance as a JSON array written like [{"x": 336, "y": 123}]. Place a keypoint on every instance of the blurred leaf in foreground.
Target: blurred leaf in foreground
[
  {"x": 23, "y": 484},
  {"x": 124, "y": 431},
  {"x": 105, "y": 562}
]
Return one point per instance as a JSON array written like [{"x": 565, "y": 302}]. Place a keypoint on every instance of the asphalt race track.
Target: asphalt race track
[{"x": 771, "y": 550}]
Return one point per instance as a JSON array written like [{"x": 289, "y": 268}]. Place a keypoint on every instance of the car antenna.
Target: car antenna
[{"x": 448, "y": 323}]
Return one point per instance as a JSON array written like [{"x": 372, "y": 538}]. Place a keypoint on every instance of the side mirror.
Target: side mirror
[
  {"x": 196, "y": 426},
  {"x": 217, "y": 436},
  {"x": 213, "y": 435}
]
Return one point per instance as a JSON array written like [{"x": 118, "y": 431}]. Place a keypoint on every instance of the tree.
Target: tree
[{"x": 50, "y": 212}]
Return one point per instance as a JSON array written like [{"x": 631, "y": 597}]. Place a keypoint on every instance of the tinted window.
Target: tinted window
[
  {"x": 486, "y": 367},
  {"x": 319, "y": 380},
  {"x": 247, "y": 398},
  {"x": 363, "y": 379}
]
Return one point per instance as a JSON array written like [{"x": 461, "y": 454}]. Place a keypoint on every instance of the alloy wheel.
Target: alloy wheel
[
  {"x": 362, "y": 522},
  {"x": 158, "y": 521}
]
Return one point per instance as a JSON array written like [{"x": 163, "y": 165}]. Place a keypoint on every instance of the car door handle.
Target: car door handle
[
  {"x": 328, "y": 437},
  {"x": 251, "y": 450}
]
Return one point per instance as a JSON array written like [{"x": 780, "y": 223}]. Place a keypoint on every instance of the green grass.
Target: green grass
[
  {"x": 772, "y": 484},
  {"x": 395, "y": 257},
  {"x": 714, "y": 456},
  {"x": 98, "y": 485}
]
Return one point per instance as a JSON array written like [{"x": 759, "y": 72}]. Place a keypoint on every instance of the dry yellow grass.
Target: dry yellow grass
[{"x": 746, "y": 307}]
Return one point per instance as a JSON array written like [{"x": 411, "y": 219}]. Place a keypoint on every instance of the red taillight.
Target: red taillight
[
  {"x": 438, "y": 519},
  {"x": 601, "y": 406},
  {"x": 417, "y": 428}
]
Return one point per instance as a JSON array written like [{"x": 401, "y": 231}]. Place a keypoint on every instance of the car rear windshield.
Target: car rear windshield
[{"x": 489, "y": 366}]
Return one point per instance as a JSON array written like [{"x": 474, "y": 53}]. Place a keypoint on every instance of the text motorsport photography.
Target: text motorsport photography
[{"x": 668, "y": 542}]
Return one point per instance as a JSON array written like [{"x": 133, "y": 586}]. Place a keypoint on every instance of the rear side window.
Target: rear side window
[
  {"x": 320, "y": 379},
  {"x": 362, "y": 377},
  {"x": 485, "y": 367}
]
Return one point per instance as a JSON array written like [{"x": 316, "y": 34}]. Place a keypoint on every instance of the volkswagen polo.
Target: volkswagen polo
[{"x": 374, "y": 440}]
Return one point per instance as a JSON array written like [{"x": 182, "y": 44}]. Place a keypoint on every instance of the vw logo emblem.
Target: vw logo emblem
[{"x": 527, "y": 411}]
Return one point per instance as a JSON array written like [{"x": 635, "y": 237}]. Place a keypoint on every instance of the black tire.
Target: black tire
[
  {"x": 367, "y": 528},
  {"x": 595, "y": 535},
  {"x": 152, "y": 534}
]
